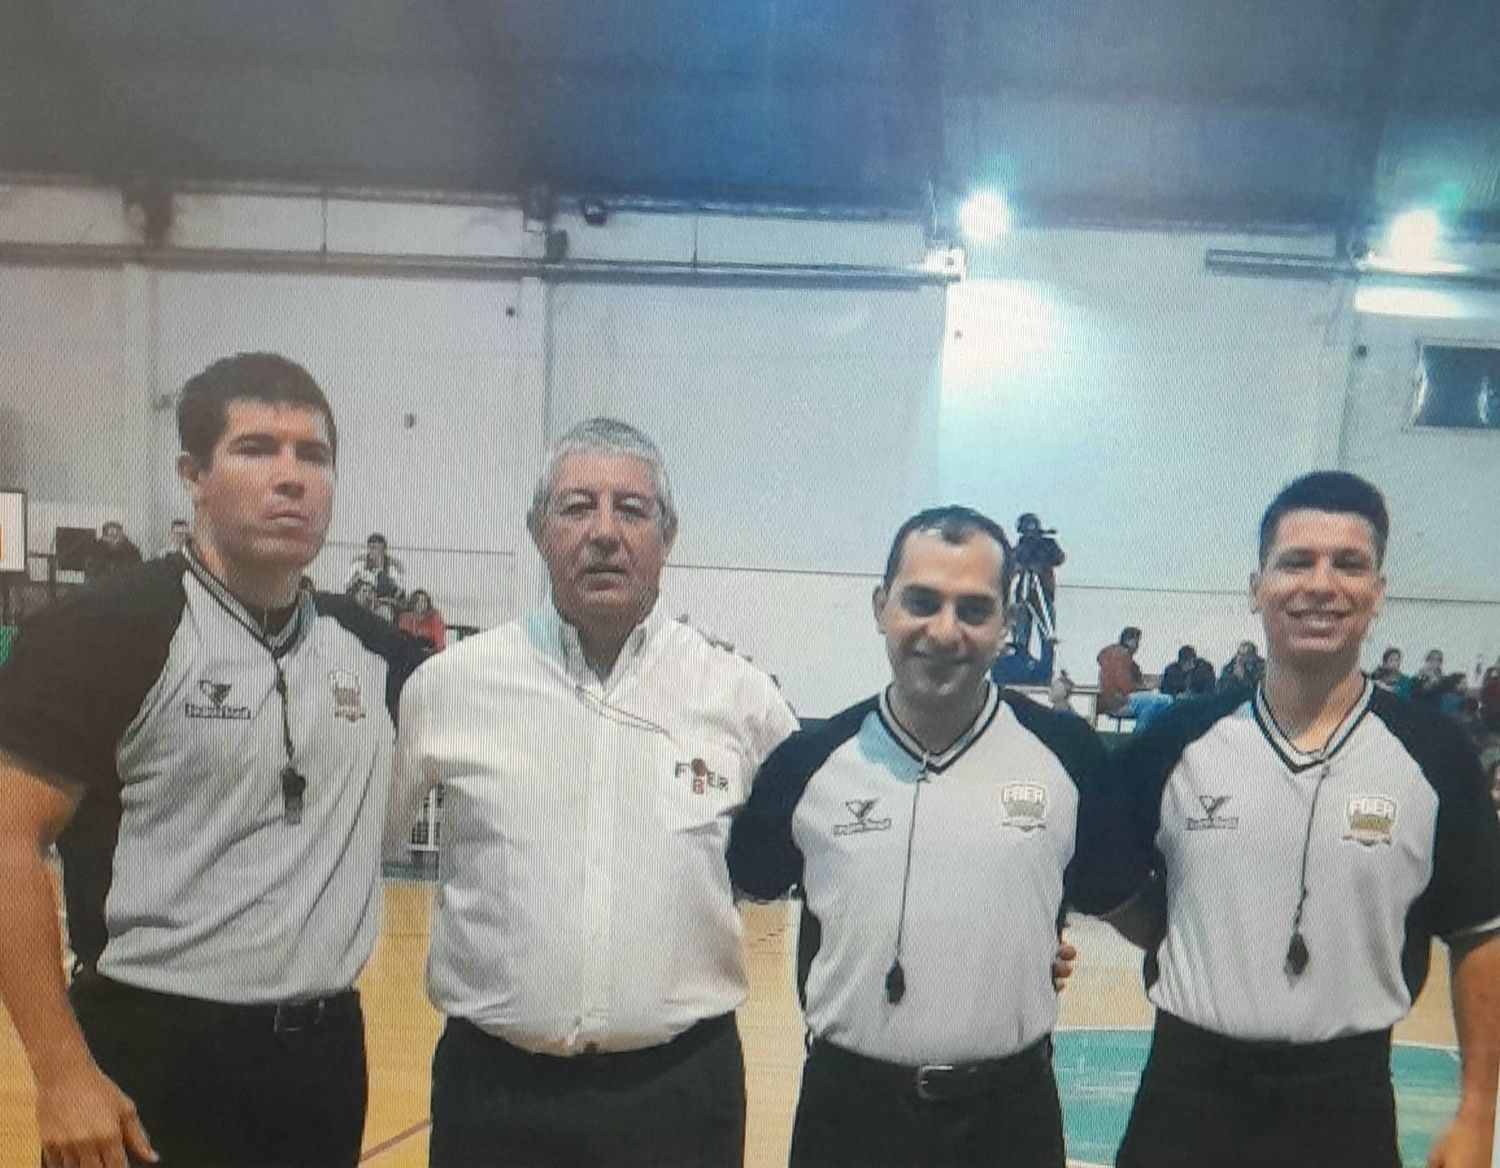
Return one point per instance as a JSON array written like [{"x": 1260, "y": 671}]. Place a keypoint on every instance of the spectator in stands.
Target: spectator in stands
[
  {"x": 1123, "y": 692},
  {"x": 1244, "y": 670},
  {"x": 112, "y": 551},
  {"x": 364, "y": 594},
  {"x": 1389, "y": 675},
  {"x": 423, "y": 621},
  {"x": 1188, "y": 676},
  {"x": 1435, "y": 688},
  {"x": 379, "y": 568},
  {"x": 387, "y": 610},
  {"x": 177, "y": 537},
  {"x": 1489, "y": 698}
]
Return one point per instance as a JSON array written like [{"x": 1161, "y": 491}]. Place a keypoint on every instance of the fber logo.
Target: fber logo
[
  {"x": 1025, "y": 807},
  {"x": 1371, "y": 819},
  {"x": 702, "y": 778},
  {"x": 217, "y": 693},
  {"x": 348, "y": 701}
]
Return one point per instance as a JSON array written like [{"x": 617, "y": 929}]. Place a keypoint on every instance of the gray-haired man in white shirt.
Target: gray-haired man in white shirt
[{"x": 585, "y": 944}]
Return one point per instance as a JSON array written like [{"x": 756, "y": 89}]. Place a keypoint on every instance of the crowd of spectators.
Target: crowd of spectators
[{"x": 377, "y": 582}]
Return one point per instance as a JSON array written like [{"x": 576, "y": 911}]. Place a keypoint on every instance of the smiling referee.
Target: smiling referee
[{"x": 1311, "y": 837}]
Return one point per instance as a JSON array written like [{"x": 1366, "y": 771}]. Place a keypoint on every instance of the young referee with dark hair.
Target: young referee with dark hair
[
  {"x": 209, "y": 747},
  {"x": 1310, "y": 841}
]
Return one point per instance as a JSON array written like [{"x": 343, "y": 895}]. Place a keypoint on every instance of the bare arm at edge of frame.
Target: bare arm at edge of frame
[
  {"x": 1476, "y": 1016},
  {"x": 82, "y": 1117}
]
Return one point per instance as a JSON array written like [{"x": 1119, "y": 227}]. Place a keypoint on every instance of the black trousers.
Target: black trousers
[
  {"x": 856, "y": 1112},
  {"x": 679, "y": 1105},
  {"x": 221, "y": 1086},
  {"x": 1208, "y": 1100}
]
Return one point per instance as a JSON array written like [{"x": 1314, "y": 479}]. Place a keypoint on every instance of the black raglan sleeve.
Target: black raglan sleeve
[
  {"x": 1105, "y": 869},
  {"x": 80, "y": 670},
  {"x": 764, "y": 860},
  {"x": 402, "y": 651}
]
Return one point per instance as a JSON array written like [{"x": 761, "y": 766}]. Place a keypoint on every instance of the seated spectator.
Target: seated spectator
[
  {"x": 387, "y": 610},
  {"x": 1060, "y": 693},
  {"x": 1123, "y": 692},
  {"x": 379, "y": 568},
  {"x": 1188, "y": 676},
  {"x": 1389, "y": 675},
  {"x": 423, "y": 621},
  {"x": 1489, "y": 698},
  {"x": 364, "y": 594},
  {"x": 1436, "y": 688},
  {"x": 112, "y": 551},
  {"x": 177, "y": 537},
  {"x": 1244, "y": 670}
]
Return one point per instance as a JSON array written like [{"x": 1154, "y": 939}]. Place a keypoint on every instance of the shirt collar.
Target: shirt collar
[
  {"x": 939, "y": 762},
  {"x": 563, "y": 637},
  {"x": 279, "y": 643},
  {"x": 1301, "y": 760}
]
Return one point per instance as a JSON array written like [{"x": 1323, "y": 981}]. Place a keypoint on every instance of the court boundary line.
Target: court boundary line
[{"x": 396, "y": 1140}]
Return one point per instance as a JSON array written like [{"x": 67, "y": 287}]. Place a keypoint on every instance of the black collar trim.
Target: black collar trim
[
  {"x": 1296, "y": 760},
  {"x": 937, "y": 763},
  {"x": 279, "y": 643}
]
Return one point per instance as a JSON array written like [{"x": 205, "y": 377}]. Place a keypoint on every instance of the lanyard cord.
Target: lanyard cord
[{"x": 895, "y": 978}]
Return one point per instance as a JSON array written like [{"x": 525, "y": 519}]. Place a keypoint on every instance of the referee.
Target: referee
[
  {"x": 1310, "y": 841},
  {"x": 209, "y": 747},
  {"x": 934, "y": 830}
]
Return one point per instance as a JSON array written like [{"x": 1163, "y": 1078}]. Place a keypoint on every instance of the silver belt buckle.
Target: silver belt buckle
[{"x": 924, "y": 1078}]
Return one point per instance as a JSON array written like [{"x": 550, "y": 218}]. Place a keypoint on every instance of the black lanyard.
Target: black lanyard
[{"x": 293, "y": 784}]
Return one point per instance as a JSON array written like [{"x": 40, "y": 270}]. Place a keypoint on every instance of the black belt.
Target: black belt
[
  {"x": 295, "y": 1017},
  {"x": 935, "y": 1081}
]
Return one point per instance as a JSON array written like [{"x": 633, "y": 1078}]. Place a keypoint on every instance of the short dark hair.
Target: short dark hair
[
  {"x": 374, "y": 537},
  {"x": 1129, "y": 631},
  {"x": 1334, "y": 491},
  {"x": 265, "y": 377},
  {"x": 955, "y": 524},
  {"x": 1186, "y": 653}
]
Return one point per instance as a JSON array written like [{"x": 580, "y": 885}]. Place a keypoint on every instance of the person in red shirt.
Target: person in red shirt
[
  {"x": 423, "y": 621},
  {"x": 1123, "y": 692}
]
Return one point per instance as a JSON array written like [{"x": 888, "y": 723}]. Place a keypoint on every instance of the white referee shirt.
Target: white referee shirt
[{"x": 584, "y": 902}]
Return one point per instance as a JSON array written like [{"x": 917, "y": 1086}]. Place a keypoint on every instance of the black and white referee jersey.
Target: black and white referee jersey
[
  {"x": 1002, "y": 824},
  {"x": 1401, "y": 846},
  {"x": 183, "y": 872}
]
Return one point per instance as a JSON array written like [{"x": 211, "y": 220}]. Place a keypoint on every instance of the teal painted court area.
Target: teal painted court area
[{"x": 1098, "y": 1070}]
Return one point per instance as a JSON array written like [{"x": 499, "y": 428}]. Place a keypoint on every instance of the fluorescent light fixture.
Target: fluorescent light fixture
[
  {"x": 1424, "y": 303},
  {"x": 984, "y": 217},
  {"x": 1411, "y": 245}
]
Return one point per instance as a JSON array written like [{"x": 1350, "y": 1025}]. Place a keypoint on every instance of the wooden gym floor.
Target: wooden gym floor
[{"x": 402, "y": 1028}]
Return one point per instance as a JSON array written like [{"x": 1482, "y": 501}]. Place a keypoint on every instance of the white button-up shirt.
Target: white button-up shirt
[{"x": 584, "y": 902}]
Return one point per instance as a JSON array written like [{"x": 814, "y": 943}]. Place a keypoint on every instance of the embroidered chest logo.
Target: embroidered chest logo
[
  {"x": 1025, "y": 807},
  {"x": 863, "y": 811},
  {"x": 1372, "y": 820},
  {"x": 703, "y": 779},
  {"x": 217, "y": 693},
  {"x": 1213, "y": 818},
  {"x": 348, "y": 702}
]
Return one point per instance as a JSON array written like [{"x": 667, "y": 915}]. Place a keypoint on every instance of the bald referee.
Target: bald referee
[
  {"x": 934, "y": 830},
  {"x": 1310, "y": 841},
  {"x": 209, "y": 746}
]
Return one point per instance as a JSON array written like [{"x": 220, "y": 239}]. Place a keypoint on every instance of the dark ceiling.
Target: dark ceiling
[{"x": 1309, "y": 113}]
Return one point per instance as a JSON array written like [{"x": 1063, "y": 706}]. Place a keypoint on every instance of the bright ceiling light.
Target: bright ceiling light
[
  {"x": 984, "y": 217},
  {"x": 1413, "y": 238}
]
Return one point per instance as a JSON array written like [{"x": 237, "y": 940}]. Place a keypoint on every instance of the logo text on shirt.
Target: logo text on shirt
[
  {"x": 1211, "y": 819},
  {"x": 862, "y": 810},
  {"x": 217, "y": 693},
  {"x": 1372, "y": 819},
  {"x": 702, "y": 777},
  {"x": 347, "y": 700},
  {"x": 1025, "y": 807}
]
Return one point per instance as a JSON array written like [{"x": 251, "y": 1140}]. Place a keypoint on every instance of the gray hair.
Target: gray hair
[{"x": 605, "y": 436}]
